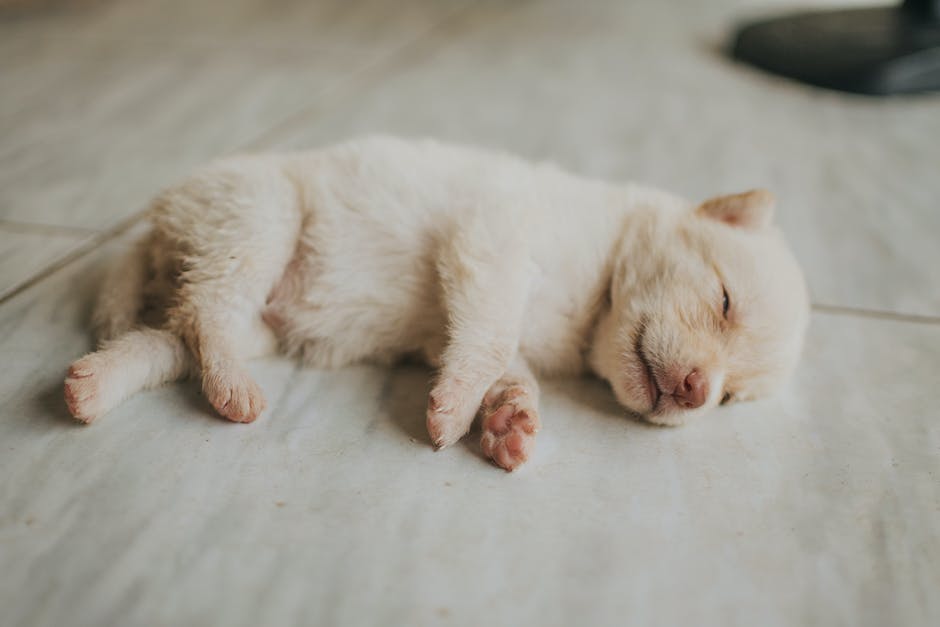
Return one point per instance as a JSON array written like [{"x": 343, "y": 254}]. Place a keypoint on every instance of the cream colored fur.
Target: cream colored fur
[{"x": 487, "y": 267}]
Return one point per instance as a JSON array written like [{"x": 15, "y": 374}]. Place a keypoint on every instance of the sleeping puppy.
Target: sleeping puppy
[{"x": 486, "y": 267}]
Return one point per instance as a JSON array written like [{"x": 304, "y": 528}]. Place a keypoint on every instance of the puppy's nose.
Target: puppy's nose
[{"x": 692, "y": 391}]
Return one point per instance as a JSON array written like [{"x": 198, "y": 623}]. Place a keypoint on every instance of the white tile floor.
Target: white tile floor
[
  {"x": 27, "y": 250},
  {"x": 818, "y": 507}
]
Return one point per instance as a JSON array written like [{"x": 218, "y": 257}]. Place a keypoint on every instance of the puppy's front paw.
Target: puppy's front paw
[
  {"x": 449, "y": 415},
  {"x": 509, "y": 428},
  {"x": 234, "y": 395}
]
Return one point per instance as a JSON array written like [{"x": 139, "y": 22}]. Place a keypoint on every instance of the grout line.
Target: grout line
[
  {"x": 875, "y": 314},
  {"x": 93, "y": 242},
  {"x": 42, "y": 228}
]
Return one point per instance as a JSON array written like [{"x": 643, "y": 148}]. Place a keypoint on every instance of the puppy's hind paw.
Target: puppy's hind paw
[
  {"x": 89, "y": 392},
  {"x": 234, "y": 395},
  {"x": 509, "y": 430}
]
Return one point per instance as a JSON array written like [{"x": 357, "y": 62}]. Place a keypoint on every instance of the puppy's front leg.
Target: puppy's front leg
[{"x": 485, "y": 279}]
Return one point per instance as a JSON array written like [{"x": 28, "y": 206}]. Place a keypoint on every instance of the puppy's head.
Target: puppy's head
[{"x": 706, "y": 306}]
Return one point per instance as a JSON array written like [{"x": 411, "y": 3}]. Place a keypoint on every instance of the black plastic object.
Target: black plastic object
[{"x": 877, "y": 51}]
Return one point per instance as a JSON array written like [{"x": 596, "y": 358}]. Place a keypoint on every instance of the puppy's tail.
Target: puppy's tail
[
  {"x": 139, "y": 359},
  {"x": 121, "y": 298}
]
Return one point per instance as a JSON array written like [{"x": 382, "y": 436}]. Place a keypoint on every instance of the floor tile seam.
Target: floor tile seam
[
  {"x": 93, "y": 242},
  {"x": 873, "y": 314},
  {"x": 22, "y": 227}
]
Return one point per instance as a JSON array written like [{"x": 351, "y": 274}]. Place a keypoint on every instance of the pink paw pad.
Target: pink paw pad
[{"x": 509, "y": 433}]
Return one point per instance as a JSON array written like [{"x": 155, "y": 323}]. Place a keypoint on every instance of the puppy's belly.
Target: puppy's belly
[{"x": 318, "y": 312}]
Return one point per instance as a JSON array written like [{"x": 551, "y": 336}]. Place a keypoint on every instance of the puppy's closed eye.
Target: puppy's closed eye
[
  {"x": 727, "y": 398},
  {"x": 725, "y": 302}
]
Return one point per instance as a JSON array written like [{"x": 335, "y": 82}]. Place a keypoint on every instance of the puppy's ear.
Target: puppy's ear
[{"x": 749, "y": 210}]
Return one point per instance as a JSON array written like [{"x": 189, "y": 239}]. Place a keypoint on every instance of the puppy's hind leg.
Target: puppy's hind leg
[
  {"x": 220, "y": 321},
  {"x": 235, "y": 252},
  {"x": 218, "y": 315},
  {"x": 225, "y": 381},
  {"x": 140, "y": 359}
]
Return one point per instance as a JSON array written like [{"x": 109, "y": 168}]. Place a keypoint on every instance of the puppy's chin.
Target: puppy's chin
[
  {"x": 640, "y": 407},
  {"x": 676, "y": 419}
]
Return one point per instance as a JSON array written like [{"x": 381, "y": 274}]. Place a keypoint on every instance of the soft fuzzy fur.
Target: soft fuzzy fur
[{"x": 487, "y": 267}]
